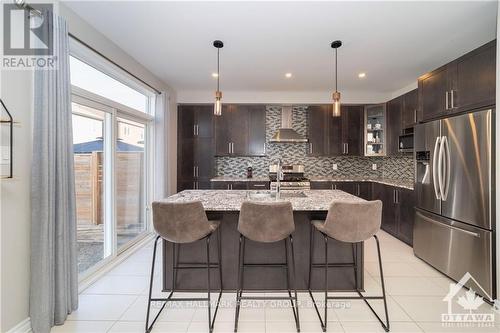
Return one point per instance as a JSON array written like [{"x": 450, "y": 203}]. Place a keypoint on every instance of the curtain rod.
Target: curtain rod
[{"x": 114, "y": 63}]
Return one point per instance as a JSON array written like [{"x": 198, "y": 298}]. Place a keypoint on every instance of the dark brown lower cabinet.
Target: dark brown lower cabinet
[
  {"x": 406, "y": 202},
  {"x": 398, "y": 204},
  {"x": 387, "y": 195},
  {"x": 397, "y": 212},
  {"x": 360, "y": 189},
  {"x": 249, "y": 185}
]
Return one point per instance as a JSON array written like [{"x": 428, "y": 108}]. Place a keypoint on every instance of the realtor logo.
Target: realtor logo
[
  {"x": 26, "y": 33},
  {"x": 470, "y": 302}
]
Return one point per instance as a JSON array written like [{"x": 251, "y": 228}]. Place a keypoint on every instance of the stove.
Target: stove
[{"x": 293, "y": 177}]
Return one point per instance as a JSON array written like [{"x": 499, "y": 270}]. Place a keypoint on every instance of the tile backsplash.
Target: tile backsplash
[{"x": 394, "y": 167}]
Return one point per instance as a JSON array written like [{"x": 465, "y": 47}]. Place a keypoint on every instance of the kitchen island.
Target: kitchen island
[{"x": 224, "y": 205}]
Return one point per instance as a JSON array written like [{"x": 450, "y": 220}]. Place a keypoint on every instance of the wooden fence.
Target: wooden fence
[{"x": 129, "y": 178}]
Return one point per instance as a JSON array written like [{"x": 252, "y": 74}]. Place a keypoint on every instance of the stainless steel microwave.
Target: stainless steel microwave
[{"x": 405, "y": 143}]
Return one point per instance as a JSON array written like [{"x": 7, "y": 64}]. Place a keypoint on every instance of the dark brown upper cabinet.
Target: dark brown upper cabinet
[
  {"x": 241, "y": 130},
  {"x": 195, "y": 162},
  {"x": 474, "y": 84},
  {"x": 393, "y": 128},
  {"x": 464, "y": 84},
  {"x": 410, "y": 107},
  {"x": 335, "y": 136},
  {"x": 317, "y": 129},
  {"x": 352, "y": 129}
]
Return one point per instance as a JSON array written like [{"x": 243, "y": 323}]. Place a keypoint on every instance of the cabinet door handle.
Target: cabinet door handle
[
  {"x": 197, "y": 172},
  {"x": 194, "y": 171},
  {"x": 194, "y": 130},
  {"x": 228, "y": 186},
  {"x": 231, "y": 186},
  {"x": 347, "y": 148},
  {"x": 232, "y": 152},
  {"x": 452, "y": 93},
  {"x": 310, "y": 148},
  {"x": 446, "y": 107},
  {"x": 358, "y": 189},
  {"x": 415, "y": 116},
  {"x": 259, "y": 185},
  {"x": 229, "y": 147}
]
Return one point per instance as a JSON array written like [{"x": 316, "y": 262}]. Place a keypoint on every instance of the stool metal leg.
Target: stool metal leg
[
  {"x": 326, "y": 284},
  {"x": 296, "y": 310},
  {"x": 175, "y": 267},
  {"x": 208, "y": 286},
  {"x": 240, "y": 282},
  {"x": 148, "y": 327}
]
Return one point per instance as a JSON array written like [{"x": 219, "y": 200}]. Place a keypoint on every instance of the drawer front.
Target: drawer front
[
  {"x": 259, "y": 185},
  {"x": 455, "y": 248}
]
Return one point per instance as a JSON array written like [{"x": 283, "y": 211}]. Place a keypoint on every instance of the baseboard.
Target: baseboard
[{"x": 23, "y": 327}]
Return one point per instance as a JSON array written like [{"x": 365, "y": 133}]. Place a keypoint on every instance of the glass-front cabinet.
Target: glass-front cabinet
[{"x": 374, "y": 130}]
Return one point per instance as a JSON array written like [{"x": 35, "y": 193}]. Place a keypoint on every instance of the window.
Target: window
[
  {"x": 88, "y": 78},
  {"x": 112, "y": 127}
]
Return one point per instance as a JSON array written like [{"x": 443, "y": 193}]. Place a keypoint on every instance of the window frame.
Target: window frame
[{"x": 117, "y": 110}]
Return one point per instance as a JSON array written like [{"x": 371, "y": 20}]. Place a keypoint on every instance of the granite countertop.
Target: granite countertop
[
  {"x": 230, "y": 200},
  {"x": 239, "y": 179},
  {"x": 408, "y": 184}
]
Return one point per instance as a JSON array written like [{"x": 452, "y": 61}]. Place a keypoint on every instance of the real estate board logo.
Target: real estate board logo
[
  {"x": 471, "y": 312},
  {"x": 28, "y": 36}
]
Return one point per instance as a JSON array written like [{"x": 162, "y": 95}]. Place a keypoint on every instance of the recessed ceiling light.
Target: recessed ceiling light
[
  {"x": 215, "y": 75},
  {"x": 362, "y": 75},
  {"x": 288, "y": 75}
]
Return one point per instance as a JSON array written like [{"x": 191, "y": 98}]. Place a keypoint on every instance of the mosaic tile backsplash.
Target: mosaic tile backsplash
[{"x": 394, "y": 167}]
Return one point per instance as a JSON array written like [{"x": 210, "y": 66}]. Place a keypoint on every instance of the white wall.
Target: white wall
[
  {"x": 16, "y": 91},
  {"x": 281, "y": 97},
  {"x": 497, "y": 155}
]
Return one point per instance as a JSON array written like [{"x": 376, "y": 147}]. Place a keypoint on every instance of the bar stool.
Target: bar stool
[
  {"x": 349, "y": 222},
  {"x": 266, "y": 223},
  {"x": 182, "y": 223}
]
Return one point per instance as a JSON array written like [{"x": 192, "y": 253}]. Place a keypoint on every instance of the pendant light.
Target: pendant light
[
  {"x": 336, "y": 95},
  {"x": 218, "y": 94}
]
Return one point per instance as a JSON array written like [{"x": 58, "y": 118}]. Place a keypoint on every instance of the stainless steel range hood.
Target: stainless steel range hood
[{"x": 286, "y": 134}]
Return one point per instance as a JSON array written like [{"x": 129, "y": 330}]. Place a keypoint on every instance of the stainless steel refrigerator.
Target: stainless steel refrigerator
[{"x": 454, "y": 222}]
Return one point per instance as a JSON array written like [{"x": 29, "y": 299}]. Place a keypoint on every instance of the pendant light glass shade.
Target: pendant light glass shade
[
  {"x": 336, "y": 104},
  {"x": 218, "y": 103},
  {"x": 218, "y": 94},
  {"x": 336, "y": 95}
]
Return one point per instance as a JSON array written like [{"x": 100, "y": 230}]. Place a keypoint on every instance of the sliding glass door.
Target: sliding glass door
[
  {"x": 111, "y": 155},
  {"x": 91, "y": 156},
  {"x": 130, "y": 181}
]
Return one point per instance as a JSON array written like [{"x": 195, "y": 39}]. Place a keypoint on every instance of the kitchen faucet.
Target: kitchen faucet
[{"x": 279, "y": 178}]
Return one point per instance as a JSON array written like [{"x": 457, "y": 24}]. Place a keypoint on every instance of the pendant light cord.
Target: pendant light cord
[
  {"x": 218, "y": 71},
  {"x": 336, "y": 70}
]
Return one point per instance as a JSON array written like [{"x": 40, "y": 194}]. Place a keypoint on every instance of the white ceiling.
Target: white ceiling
[{"x": 393, "y": 42}]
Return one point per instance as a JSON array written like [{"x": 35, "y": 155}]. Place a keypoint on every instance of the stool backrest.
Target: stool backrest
[
  {"x": 180, "y": 222},
  {"x": 353, "y": 221},
  {"x": 266, "y": 222}
]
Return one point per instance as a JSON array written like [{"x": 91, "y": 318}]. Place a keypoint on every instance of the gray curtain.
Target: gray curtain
[{"x": 54, "y": 274}]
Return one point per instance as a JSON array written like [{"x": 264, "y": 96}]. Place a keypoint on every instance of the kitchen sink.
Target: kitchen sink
[{"x": 262, "y": 195}]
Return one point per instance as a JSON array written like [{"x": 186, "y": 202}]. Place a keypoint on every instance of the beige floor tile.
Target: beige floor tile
[
  {"x": 102, "y": 307},
  {"x": 83, "y": 327},
  {"x": 118, "y": 285}
]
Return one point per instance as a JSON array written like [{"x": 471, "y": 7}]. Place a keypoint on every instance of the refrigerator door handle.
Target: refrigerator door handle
[
  {"x": 447, "y": 168},
  {"x": 434, "y": 173},
  {"x": 441, "y": 168},
  {"x": 475, "y": 234}
]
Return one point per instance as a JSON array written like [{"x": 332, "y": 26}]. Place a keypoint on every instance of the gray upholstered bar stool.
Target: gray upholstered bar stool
[
  {"x": 349, "y": 222},
  {"x": 267, "y": 222},
  {"x": 182, "y": 223}
]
